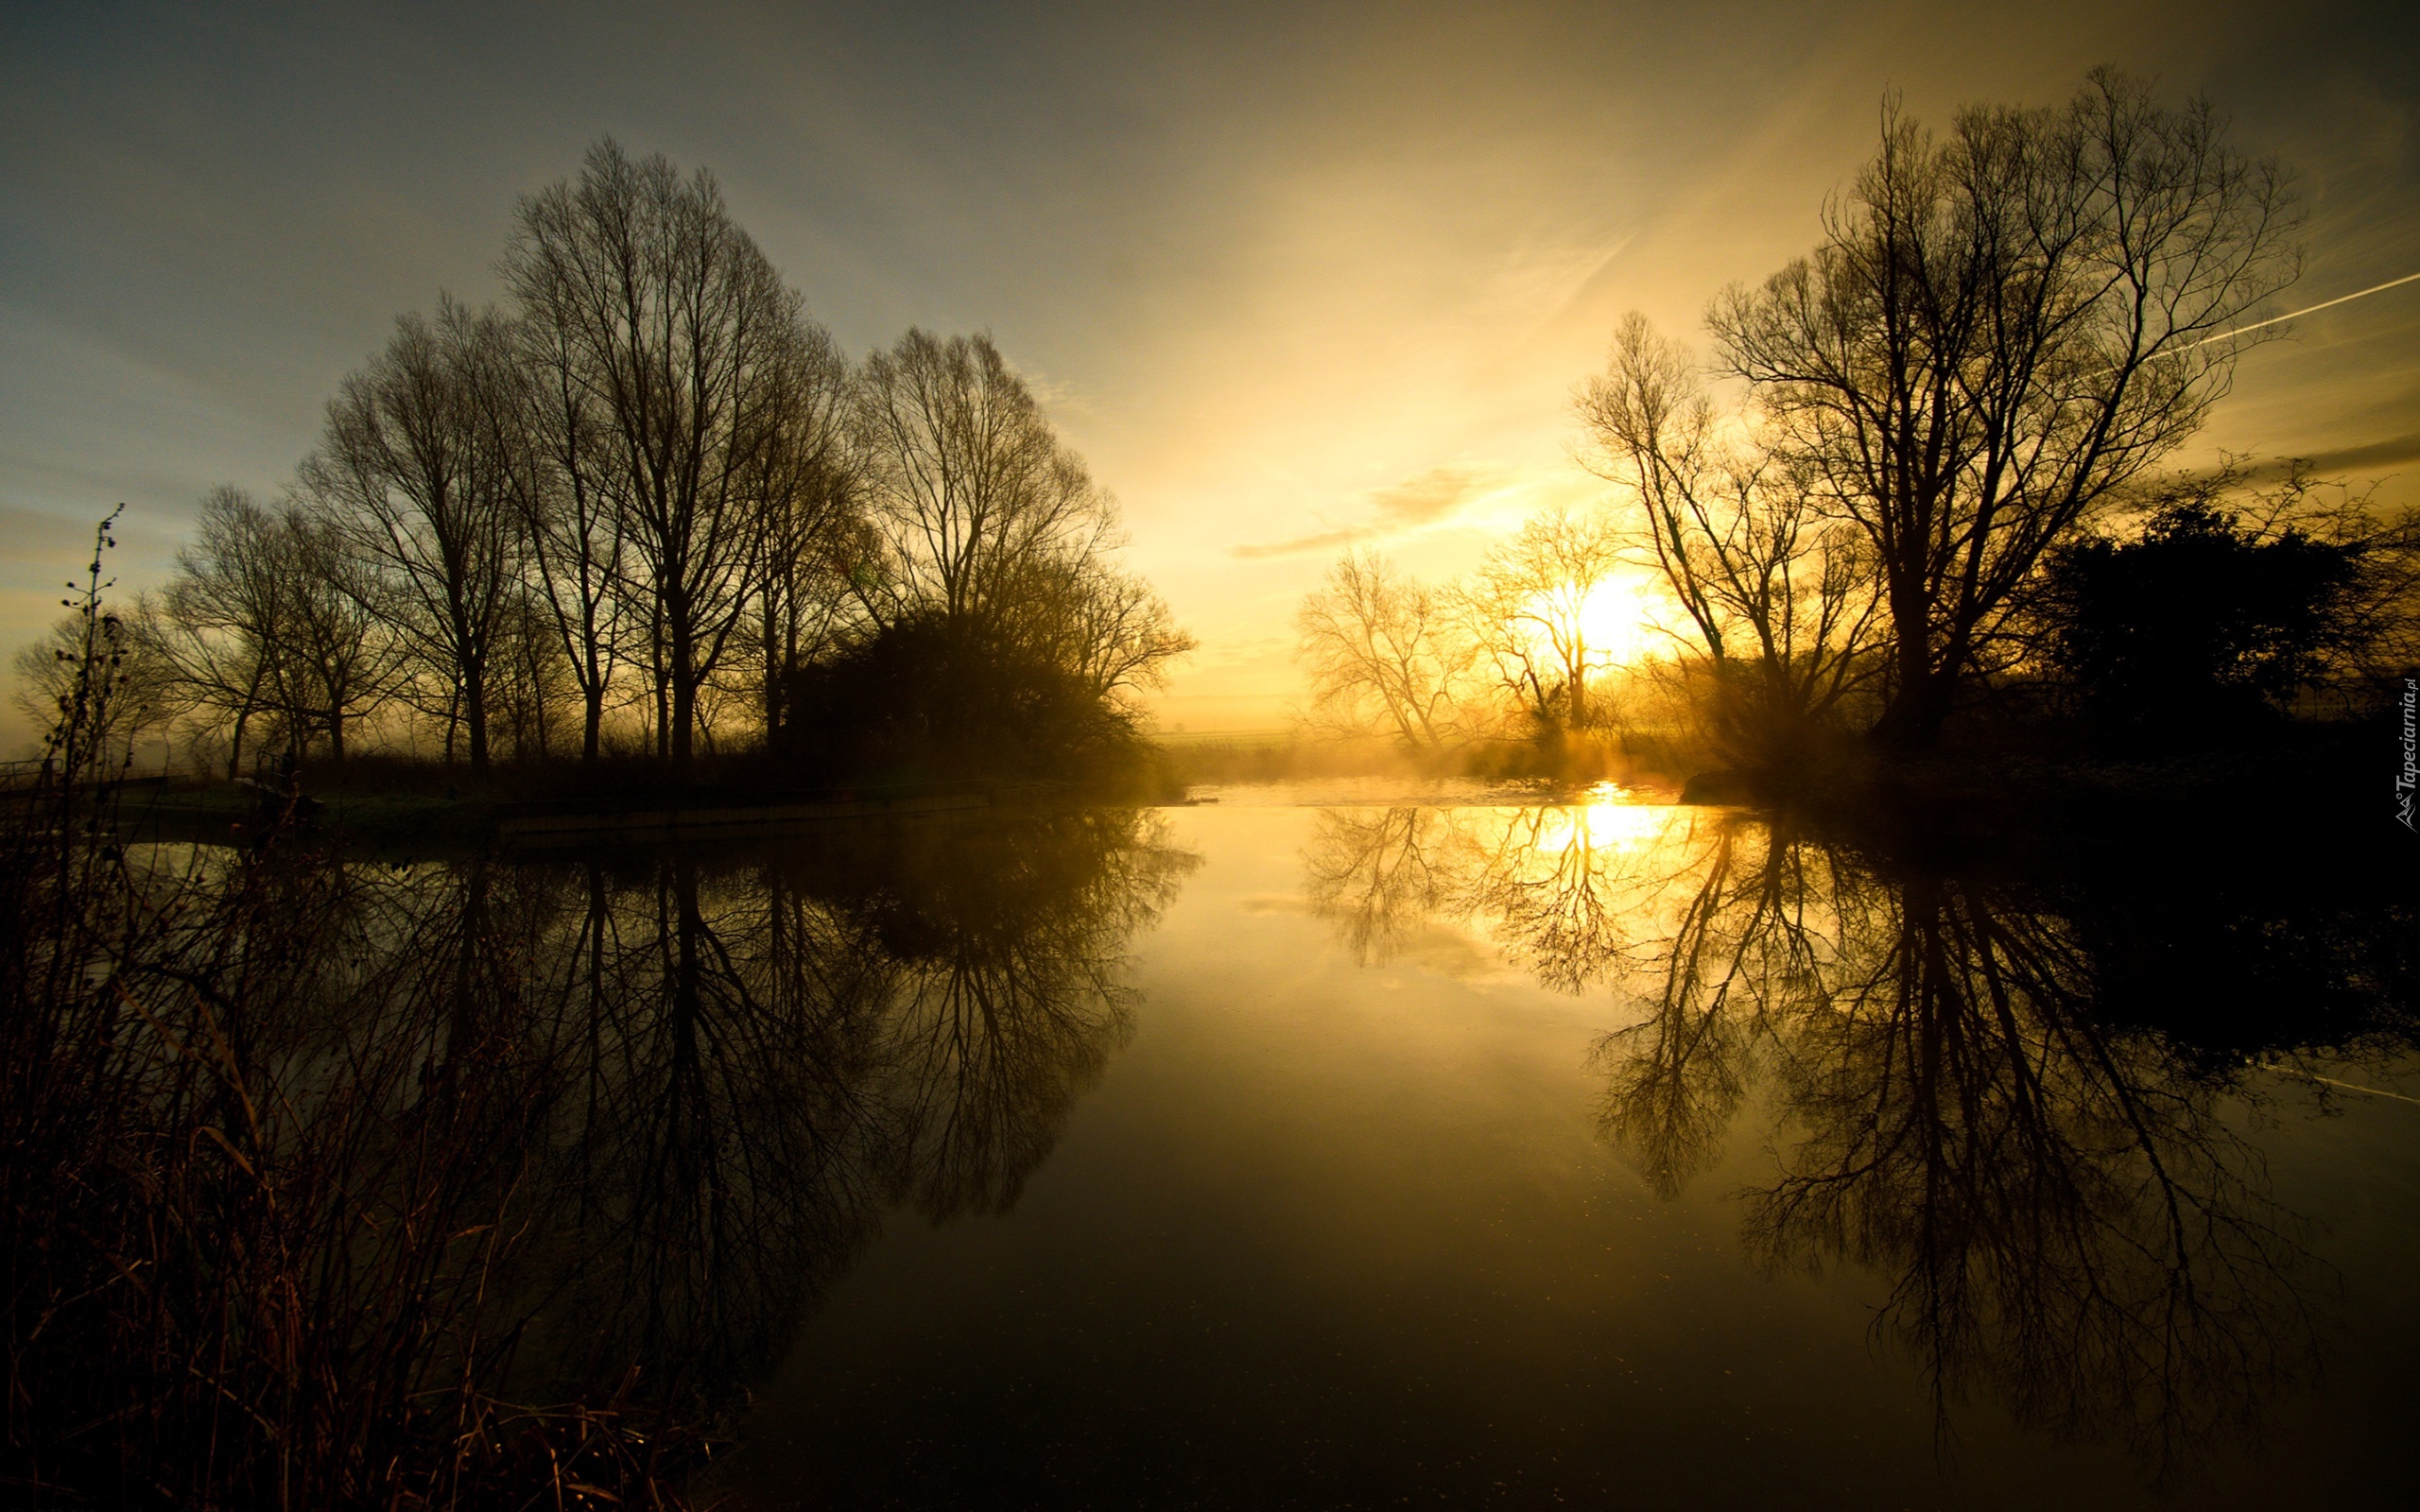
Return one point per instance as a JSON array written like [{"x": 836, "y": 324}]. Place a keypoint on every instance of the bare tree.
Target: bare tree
[
  {"x": 1527, "y": 607},
  {"x": 806, "y": 479},
  {"x": 530, "y": 681},
  {"x": 567, "y": 487},
  {"x": 1780, "y": 598},
  {"x": 342, "y": 656},
  {"x": 269, "y": 615},
  {"x": 227, "y": 615},
  {"x": 967, "y": 482},
  {"x": 1382, "y": 648},
  {"x": 657, "y": 463},
  {"x": 1998, "y": 330},
  {"x": 415, "y": 476},
  {"x": 692, "y": 352},
  {"x": 1106, "y": 626}
]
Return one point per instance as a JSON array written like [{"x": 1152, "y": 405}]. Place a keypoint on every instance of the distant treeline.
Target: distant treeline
[
  {"x": 1934, "y": 481},
  {"x": 646, "y": 503}
]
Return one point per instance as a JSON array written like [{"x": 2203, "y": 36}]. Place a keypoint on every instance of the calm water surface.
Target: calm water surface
[
  {"x": 1601, "y": 1154},
  {"x": 1324, "y": 1149}
]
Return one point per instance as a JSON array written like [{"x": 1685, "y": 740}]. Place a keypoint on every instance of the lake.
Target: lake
[
  {"x": 1625, "y": 1155},
  {"x": 1341, "y": 1148}
]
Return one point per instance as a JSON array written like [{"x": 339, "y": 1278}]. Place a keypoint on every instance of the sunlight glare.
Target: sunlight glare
[
  {"x": 1615, "y": 621},
  {"x": 1610, "y": 821}
]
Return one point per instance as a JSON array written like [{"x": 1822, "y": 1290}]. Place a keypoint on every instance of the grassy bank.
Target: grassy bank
[{"x": 386, "y": 803}]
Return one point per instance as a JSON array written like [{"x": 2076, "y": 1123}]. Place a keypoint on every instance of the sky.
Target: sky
[{"x": 1291, "y": 277}]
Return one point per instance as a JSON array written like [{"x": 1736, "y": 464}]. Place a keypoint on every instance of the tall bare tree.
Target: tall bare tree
[
  {"x": 811, "y": 530},
  {"x": 416, "y": 475},
  {"x": 1527, "y": 607},
  {"x": 1383, "y": 650},
  {"x": 343, "y": 655},
  {"x": 1779, "y": 597},
  {"x": 966, "y": 480},
  {"x": 1999, "y": 329},
  {"x": 531, "y": 682},
  {"x": 693, "y": 352},
  {"x": 568, "y": 491},
  {"x": 1106, "y": 626},
  {"x": 227, "y": 615},
  {"x": 271, "y": 614}
]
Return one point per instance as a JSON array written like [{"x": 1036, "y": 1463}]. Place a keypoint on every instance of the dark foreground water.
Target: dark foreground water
[{"x": 1273, "y": 1155}]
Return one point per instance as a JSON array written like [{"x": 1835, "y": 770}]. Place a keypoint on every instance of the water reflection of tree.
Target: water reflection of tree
[
  {"x": 1579, "y": 908},
  {"x": 683, "y": 1088},
  {"x": 2068, "y": 1215},
  {"x": 1556, "y": 894},
  {"x": 756, "y": 1058},
  {"x": 1000, "y": 954},
  {"x": 1973, "y": 1098},
  {"x": 703, "y": 1165},
  {"x": 1380, "y": 875}
]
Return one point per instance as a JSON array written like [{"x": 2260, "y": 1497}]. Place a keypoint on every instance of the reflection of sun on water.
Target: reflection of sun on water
[{"x": 1609, "y": 821}]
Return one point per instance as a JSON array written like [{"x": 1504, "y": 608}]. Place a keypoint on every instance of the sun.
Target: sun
[{"x": 1616, "y": 620}]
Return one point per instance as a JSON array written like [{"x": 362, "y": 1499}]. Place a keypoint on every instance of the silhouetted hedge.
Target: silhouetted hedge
[{"x": 926, "y": 698}]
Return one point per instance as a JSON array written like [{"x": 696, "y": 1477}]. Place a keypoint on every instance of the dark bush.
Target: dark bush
[
  {"x": 926, "y": 698},
  {"x": 2202, "y": 630}
]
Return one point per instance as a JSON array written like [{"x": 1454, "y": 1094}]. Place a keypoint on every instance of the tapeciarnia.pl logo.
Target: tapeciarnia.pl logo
[{"x": 2407, "y": 779}]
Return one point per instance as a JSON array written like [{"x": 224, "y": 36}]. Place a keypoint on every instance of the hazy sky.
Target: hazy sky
[{"x": 1289, "y": 276}]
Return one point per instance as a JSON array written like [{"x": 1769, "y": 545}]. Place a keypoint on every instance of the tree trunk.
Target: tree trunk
[
  {"x": 772, "y": 699},
  {"x": 475, "y": 714},
  {"x": 1912, "y": 720},
  {"x": 539, "y": 712},
  {"x": 655, "y": 658},
  {"x": 1580, "y": 689},
  {"x": 684, "y": 693},
  {"x": 685, "y": 708}
]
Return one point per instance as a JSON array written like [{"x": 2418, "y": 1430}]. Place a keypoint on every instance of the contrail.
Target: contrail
[
  {"x": 2298, "y": 1072},
  {"x": 2323, "y": 304}
]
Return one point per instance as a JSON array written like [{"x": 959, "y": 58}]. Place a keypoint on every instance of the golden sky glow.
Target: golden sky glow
[{"x": 1293, "y": 278}]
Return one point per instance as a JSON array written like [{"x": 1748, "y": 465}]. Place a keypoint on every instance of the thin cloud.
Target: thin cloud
[
  {"x": 2403, "y": 448},
  {"x": 1253, "y": 550},
  {"x": 1420, "y": 501},
  {"x": 2391, "y": 452},
  {"x": 1430, "y": 496},
  {"x": 1057, "y": 395}
]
